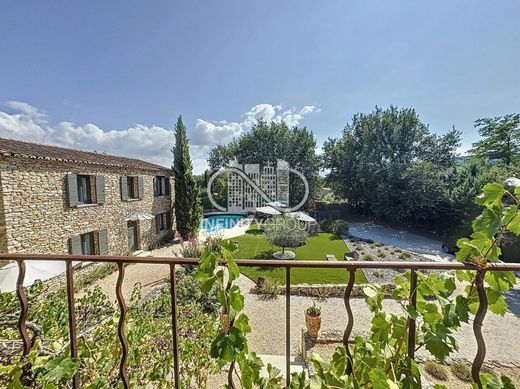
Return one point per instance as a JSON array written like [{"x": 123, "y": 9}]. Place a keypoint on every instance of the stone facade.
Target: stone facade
[{"x": 36, "y": 217}]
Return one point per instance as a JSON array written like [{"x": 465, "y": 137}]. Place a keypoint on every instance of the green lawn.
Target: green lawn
[{"x": 254, "y": 245}]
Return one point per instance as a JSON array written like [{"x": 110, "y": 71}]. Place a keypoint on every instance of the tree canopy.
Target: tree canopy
[
  {"x": 388, "y": 163},
  {"x": 285, "y": 232},
  {"x": 188, "y": 210},
  {"x": 501, "y": 139},
  {"x": 267, "y": 142}
]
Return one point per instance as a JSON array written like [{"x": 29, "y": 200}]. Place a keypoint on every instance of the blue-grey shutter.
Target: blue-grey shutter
[
  {"x": 140, "y": 181},
  {"x": 100, "y": 189},
  {"x": 167, "y": 185},
  {"x": 157, "y": 223},
  {"x": 168, "y": 220},
  {"x": 72, "y": 189},
  {"x": 75, "y": 245},
  {"x": 103, "y": 242},
  {"x": 155, "y": 186},
  {"x": 124, "y": 188}
]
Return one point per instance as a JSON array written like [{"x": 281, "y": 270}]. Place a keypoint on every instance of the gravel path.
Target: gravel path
[{"x": 267, "y": 317}]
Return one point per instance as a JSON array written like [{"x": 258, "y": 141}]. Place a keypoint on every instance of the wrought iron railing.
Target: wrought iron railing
[{"x": 350, "y": 266}]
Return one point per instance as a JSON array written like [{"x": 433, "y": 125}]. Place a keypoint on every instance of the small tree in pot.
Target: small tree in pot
[{"x": 313, "y": 320}]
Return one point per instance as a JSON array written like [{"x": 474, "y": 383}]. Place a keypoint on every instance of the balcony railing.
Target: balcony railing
[{"x": 350, "y": 266}]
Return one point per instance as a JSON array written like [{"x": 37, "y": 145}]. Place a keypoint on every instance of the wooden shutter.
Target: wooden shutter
[
  {"x": 157, "y": 223},
  {"x": 100, "y": 189},
  {"x": 72, "y": 189},
  {"x": 155, "y": 186},
  {"x": 168, "y": 220},
  {"x": 140, "y": 182},
  {"x": 75, "y": 245},
  {"x": 167, "y": 185},
  {"x": 124, "y": 188},
  {"x": 103, "y": 242}
]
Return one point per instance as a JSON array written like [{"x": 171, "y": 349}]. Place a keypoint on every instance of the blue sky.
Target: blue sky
[{"x": 114, "y": 75}]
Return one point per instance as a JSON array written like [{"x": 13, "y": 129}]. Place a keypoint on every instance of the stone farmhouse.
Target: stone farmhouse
[{"x": 55, "y": 200}]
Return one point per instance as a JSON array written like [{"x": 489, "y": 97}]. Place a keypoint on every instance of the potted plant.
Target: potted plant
[
  {"x": 260, "y": 283},
  {"x": 313, "y": 320}
]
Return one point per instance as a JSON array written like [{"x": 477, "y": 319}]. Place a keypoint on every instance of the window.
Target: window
[
  {"x": 161, "y": 186},
  {"x": 162, "y": 222},
  {"x": 87, "y": 244},
  {"x": 131, "y": 183},
  {"x": 90, "y": 243},
  {"x": 132, "y": 188},
  {"x": 84, "y": 191}
]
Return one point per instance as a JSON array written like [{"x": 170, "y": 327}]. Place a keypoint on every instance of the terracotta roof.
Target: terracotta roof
[{"x": 33, "y": 150}]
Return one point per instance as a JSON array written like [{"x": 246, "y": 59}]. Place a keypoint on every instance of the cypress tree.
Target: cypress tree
[{"x": 188, "y": 210}]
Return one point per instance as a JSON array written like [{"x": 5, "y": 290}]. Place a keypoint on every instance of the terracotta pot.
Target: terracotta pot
[
  {"x": 313, "y": 324},
  {"x": 260, "y": 282},
  {"x": 224, "y": 319}
]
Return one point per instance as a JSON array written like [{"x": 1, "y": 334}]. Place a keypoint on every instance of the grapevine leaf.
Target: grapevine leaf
[
  {"x": 489, "y": 221},
  {"x": 465, "y": 250},
  {"x": 511, "y": 219},
  {"x": 497, "y": 302},
  {"x": 62, "y": 367},
  {"x": 500, "y": 280},
  {"x": 236, "y": 299},
  {"x": 242, "y": 323},
  {"x": 462, "y": 308},
  {"x": 234, "y": 272},
  {"x": 491, "y": 195}
]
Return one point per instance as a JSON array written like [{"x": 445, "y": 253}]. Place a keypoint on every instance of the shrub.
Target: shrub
[
  {"x": 326, "y": 225},
  {"x": 271, "y": 288},
  {"x": 377, "y": 244},
  {"x": 406, "y": 254},
  {"x": 337, "y": 227},
  {"x": 462, "y": 371},
  {"x": 381, "y": 255},
  {"x": 378, "y": 273},
  {"x": 359, "y": 247},
  {"x": 367, "y": 257},
  {"x": 95, "y": 274},
  {"x": 436, "y": 370},
  {"x": 191, "y": 249}
]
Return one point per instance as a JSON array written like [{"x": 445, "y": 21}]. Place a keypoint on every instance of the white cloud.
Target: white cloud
[
  {"x": 213, "y": 132},
  {"x": 28, "y": 110},
  {"x": 150, "y": 143}
]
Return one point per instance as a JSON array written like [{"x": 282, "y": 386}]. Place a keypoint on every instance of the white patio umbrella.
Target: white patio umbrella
[
  {"x": 34, "y": 270},
  {"x": 303, "y": 217},
  {"x": 267, "y": 210}
]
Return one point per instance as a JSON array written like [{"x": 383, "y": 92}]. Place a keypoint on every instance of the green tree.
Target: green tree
[
  {"x": 188, "y": 210},
  {"x": 501, "y": 138},
  {"x": 268, "y": 142},
  {"x": 285, "y": 232},
  {"x": 384, "y": 156}
]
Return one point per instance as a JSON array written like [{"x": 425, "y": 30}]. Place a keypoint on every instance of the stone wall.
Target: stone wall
[{"x": 37, "y": 216}]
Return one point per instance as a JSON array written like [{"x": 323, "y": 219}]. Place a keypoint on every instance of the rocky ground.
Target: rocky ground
[{"x": 368, "y": 250}]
